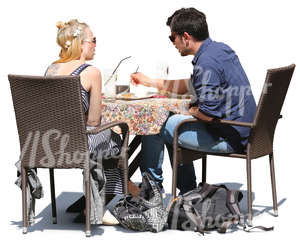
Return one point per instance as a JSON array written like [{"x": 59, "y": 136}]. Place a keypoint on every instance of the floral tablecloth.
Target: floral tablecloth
[{"x": 144, "y": 117}]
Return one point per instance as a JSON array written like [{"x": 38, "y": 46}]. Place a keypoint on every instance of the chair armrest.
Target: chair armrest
[
  {"x": 217, "y": 121},
  {"x": 123, "y": 156},
  {"x": 236, "y": 123},
  {"x": 123, "y": 125},
  {"x": 232, "y": 122}
]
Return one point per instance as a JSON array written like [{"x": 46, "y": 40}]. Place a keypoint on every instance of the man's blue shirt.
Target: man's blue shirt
[{"x": 223, "y": 91}]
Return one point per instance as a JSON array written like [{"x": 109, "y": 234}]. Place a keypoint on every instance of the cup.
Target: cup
[
  {"x": 162, "y": 70},
  {"x": 109, "y": 81}
]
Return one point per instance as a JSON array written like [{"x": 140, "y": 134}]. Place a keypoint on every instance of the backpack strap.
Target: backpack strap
[
  {"x": 191, "y": 212},
  {"x": 196, "y": 219},
  {"x": 209, "y": 190},
  {"x": 227, "y": 225},
  {"x": 233, "y": 198},
  {"x": 232, "y": 203},
  {"x": 258, "y": 227},
  {"x": 205, "y": 191},
  {"x": 176, "y": 202}
]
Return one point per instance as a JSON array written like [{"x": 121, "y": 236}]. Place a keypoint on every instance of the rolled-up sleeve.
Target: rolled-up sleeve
[{"x": 207, "y": 85}]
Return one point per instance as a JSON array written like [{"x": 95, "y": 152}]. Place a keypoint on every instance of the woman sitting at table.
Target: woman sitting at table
[{"x": 78, "y": 44}]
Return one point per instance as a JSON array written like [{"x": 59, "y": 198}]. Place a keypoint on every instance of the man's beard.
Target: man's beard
[{"x": 184, "y": 53}]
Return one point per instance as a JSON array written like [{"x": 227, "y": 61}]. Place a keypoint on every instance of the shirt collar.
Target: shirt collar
[{"x": 201, "y": 49}]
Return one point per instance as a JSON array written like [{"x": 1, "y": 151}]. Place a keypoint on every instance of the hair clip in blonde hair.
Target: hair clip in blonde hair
[
  {"x": 67, "y": 44},
  {"x": 77, "y": 31}
]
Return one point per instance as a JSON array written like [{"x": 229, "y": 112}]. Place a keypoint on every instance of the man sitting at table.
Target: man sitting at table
[{"x": 221, "y": 90}]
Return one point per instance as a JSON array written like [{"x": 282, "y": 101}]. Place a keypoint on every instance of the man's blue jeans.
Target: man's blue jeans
[{"x": 191, "y": 136}]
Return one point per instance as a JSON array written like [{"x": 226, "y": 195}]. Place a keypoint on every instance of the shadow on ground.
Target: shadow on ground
[
  {"x": 43, "y": 221},
  {"x": 65, "y": 220}
]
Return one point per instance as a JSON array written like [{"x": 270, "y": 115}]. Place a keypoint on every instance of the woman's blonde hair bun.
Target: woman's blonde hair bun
[{"x": 60, "y": 24}]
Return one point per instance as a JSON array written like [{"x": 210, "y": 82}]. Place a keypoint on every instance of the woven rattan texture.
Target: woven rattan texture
[
  {"x": 268, "y": 110},
  {"x": 50, "y": 117}
]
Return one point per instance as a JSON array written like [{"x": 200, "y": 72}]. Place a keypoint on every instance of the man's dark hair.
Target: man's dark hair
[{"x": 189, "y": 20}]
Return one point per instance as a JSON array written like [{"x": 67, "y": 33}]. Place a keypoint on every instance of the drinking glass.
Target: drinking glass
[{"x": 109, "y": 85}]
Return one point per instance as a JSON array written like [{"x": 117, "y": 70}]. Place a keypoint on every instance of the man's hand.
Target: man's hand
[
  {"x": 140, "y": 79},
  {"x": 174, "y": 86},
  {"x": 185, "y": 108},
  {"x": 194, "y": 111}
]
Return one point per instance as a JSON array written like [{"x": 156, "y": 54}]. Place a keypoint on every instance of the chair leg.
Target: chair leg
[
  {"x": 126, "y": 178},
  {"x": 204, "y": 167},
  {"x": 273, "y": 182},
  {"x": 24, "y": 199},
  {"x": 249, "y": 189},
  {"x": 53, "y": 199},
  {"x": 175, "y": 168},
  {"x": 87, "y": 203}
]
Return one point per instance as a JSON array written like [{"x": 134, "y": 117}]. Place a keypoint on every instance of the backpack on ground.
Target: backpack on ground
[{"x": 207, "y": 207}]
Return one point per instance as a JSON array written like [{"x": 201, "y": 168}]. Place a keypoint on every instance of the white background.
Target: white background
[{"x": 264, "y": 34}]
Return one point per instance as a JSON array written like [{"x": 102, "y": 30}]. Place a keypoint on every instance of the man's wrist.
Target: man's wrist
[{"x": 156, "y": 83}]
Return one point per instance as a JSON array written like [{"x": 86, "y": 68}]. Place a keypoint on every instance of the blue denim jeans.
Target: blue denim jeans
[{"x": 191, "y": 136}]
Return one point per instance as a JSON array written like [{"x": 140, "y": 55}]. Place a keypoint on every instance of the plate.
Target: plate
[{"x": 131, "y": 96}]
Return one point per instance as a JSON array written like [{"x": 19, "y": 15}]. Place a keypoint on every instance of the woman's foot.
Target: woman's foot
[{"x": 109, "y": 219}]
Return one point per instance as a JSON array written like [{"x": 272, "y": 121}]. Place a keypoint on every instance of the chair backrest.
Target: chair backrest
[
  {"x": 50, "y": 121},
  {"x": 269, "y": 109}
]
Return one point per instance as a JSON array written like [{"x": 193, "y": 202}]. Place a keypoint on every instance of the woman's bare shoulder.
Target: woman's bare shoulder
[
  {"x": 53, "y": 69},
  {"x": 91, "y": 77},
  {"x": 92, "y": 71}
]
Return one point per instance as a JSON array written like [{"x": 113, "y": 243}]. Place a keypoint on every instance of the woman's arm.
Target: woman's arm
[{"x": 91, "y": 81}]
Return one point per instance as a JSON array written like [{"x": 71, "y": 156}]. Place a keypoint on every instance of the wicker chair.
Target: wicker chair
[
  {"x": 51, "y": 127},
  {"x": 260, "y": 142}
]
